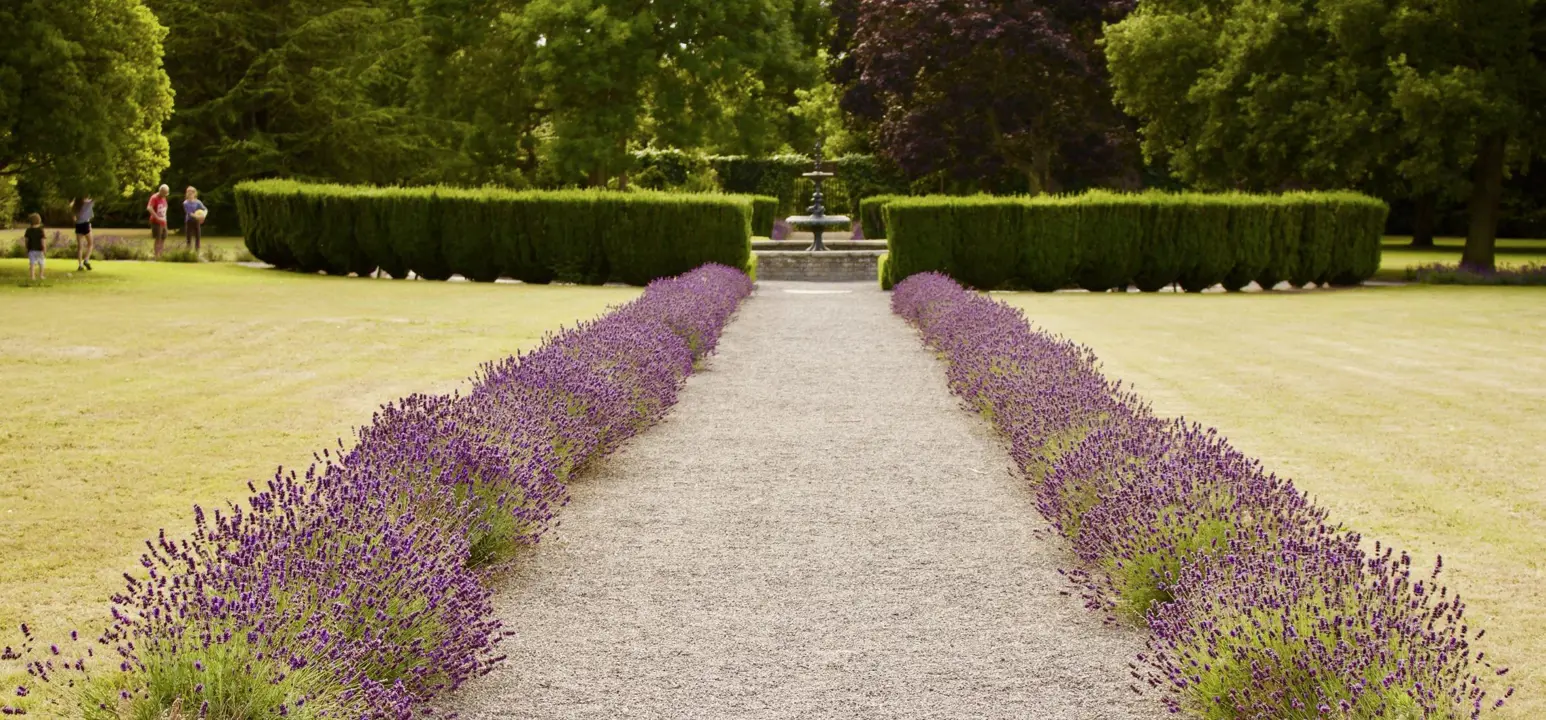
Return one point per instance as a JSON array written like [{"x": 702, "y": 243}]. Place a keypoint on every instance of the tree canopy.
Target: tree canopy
[
  {"x": 477, "y": 91},
  {"x": 719, "y": 74},
  {"x": 319, "y": 89},
  {"x": 1406, "y": 97},
  {"x": 974, "y": 88},
  {"x": 82, "y": 95}
]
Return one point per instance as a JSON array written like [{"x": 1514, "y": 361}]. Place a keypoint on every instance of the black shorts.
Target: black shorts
[{"x": 83, "y": 228}]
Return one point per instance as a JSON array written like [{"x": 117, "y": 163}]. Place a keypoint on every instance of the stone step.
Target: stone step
[
  {"x": 829, "y": 266},
  {"x": 803, "y": 243}
]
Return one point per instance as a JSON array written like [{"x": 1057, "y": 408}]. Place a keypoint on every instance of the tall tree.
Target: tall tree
[
  {"x": 683, "y": 73},
  {"x": 1422, "y": 98},
  {"x": 475, "y": 77},
  {"x": 82, "y": 95},
  {"x": 977, "y": 87},
  {"x": 317, "y": 89}
]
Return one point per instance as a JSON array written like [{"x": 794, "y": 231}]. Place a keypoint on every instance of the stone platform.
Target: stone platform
[
  {"x": 798, "y": 243},
  {"x": 848, "y": 265}
]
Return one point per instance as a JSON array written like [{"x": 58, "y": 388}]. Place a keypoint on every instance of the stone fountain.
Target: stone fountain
[{"x": 818, "y": 220}]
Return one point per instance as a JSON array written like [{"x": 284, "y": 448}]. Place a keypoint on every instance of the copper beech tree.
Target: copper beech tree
[{"x": 980, "y": 89}]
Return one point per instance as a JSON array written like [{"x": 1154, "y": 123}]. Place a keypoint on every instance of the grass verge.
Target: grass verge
[
  {"x": 1412, "y": 414},
  {"x": 138, "y": 389}
]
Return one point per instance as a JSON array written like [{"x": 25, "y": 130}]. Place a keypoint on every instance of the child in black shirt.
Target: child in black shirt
[{"x": 35, "y": 247}]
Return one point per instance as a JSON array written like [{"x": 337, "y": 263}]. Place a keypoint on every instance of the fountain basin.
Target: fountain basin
[{"x": 817, "y": 221}]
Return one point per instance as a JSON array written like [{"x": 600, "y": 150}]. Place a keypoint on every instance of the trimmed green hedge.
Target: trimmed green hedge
[
  {"x": 764, "y": 214},
  {"x": 588, "y": 237},
  {"x": 872, "y": 215},
  {"x": 1104, "y": 240}
]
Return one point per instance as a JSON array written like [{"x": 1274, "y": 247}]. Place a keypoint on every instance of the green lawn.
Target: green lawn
[
  {"x": 230, "y": 247},
  {"x": 1415, "y": 414},
  {"x": 1400, "y": 255},
  {"x": 134, "y": 391}
]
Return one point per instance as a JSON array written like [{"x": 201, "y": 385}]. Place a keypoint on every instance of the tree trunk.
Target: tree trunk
[
  {"x": 598, "y": 178},
  {"x": 1486, "y": 203},
  {"x": 1423, "y": 220}
]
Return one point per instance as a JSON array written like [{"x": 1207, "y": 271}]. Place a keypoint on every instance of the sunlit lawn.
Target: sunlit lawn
[
  {"x": 1400, "y": 255},
  {"x": 1416, "y": 414},
  {"x": 134, "y": 391}
]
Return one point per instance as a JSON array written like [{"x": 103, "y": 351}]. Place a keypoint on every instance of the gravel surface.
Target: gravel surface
[{"x": 817, "y": 530}]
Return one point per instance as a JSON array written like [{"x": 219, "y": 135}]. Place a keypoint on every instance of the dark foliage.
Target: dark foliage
[{"x": 978, "y": 90}]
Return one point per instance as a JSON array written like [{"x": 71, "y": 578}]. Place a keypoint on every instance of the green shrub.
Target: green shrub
[
  {"x": 764, "y": 214},
  {"x": 986, "y": 240},
  {"x": 1110, "y": 238},
  {"x": 1161, "y": 254},
  {"x": 337, "y": 226},
  {"x": 751, "y": 267},
  {"x": 416, "y": 232},
  {"x": 588, "y": 237},
  {"x": 1315, "y": 242},
  {"x": 1206, "y": 251},
  {"x": 519, "y": 245},
  {"x": 872, "y": 217},
  {"x": 180, "y": 255},
  {"x": 261, "y": 222},
  {"x": 1104, "y": 240},
  {"x": 882, "y": 275},
  {"x": 921, "y": 232},
  {"x": 1250, "y": 231},
  {"x": 653, "y": 235},
  {"x": 304, "y": 229},
  {"x": 566, "y": 237},
  {"x": 469, "y": 235},
  {"x": 1046, "y": 233},
  {"x": 372, "y": 231},
  {"x": 1283, "y": 237},
  {"x": 1361, "y": 227}
]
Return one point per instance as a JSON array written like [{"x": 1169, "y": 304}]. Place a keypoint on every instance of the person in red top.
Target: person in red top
[{"x": 157, "y": 208}]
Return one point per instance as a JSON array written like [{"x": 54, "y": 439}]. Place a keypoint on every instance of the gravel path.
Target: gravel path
[{"x": 817, "y": 530}]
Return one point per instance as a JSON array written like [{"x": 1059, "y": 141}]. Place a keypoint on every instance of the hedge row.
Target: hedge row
[
  {"x": 1105, "y": 240},
  {"x": 872, "y": 215},
  {"x": 1260, "y": 607},
  {"x": 764, "y": 214},
  {"x": 579, "y": 236}
]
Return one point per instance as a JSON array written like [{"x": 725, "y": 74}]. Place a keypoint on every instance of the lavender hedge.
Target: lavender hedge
[
  {"x": 357, "y": 588},
  {"x": 1258, "y": 606}
]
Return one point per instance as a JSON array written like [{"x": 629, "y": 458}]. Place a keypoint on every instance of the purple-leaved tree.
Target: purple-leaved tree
[{"x": 981, "y": 89}]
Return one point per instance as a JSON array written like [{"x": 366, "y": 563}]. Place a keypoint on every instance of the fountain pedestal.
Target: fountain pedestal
[
  {"x": 818, "y": 220},
  {"x": 852, "y": 261}
]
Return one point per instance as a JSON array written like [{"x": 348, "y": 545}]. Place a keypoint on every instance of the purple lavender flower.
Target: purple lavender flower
[
  {"x": 355, "y": 588},
  {"x": 781, "y": 230},
  {"x": 1258, "y": 607}
]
